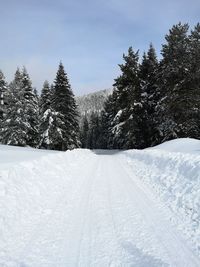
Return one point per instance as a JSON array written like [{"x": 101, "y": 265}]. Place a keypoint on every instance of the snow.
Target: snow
[
  {"x": 100, "y": 208},
  {"x": 14, "y": 154},
  {"x": 186, "y": 145},
  {"x": 172, "y": 171}
]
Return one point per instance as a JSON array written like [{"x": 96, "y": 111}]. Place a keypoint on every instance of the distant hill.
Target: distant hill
[{"x": 92, "y": 102}]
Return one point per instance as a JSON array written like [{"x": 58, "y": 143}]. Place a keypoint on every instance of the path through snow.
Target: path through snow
[{"x": 103, "y": 215}]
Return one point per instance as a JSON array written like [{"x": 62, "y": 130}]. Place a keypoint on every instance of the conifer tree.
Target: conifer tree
[
  {"x": 31, "y": 109},
  {"x": 85, "y": 133},
  {"x": 150, "y": 94},
  {"x": 46, "y": 115},
  {"x": 192, "y": 100},
  {"x": 3, "y": 89},
  {"x": 127, "y": 121},
  {"x": 45, "y": 98},
  {"x": 173, "y": 83},
  {"x": 107, "y": 122},
  {"x": 14, "y": 130},
  {"x": 94, "y": 133},
  {"x": 64, "y": 132}
]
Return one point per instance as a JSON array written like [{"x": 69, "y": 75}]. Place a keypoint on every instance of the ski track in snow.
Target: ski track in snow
[{"x": 104, "y": 216}]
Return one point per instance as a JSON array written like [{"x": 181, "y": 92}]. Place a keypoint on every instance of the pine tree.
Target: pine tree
[
  {"x": 107, "y": 122},
  {"x": 31, "y": 109},
  {"x": 94, "y": 133},
  {"x": 127, "y": 121},
  {"x": 173, "y": 83},
  {"x": 192, "y": 100},
  {"x": 45, "y": 98},
  {"x": 14, "y": 131},
  {"x": 150, "y": 94},
  {"x": 64, "y": 132},
  {"x": 3, "y": 89},
  {"x": 85, "y": 133},
  {"x": 46, "y": 115}
]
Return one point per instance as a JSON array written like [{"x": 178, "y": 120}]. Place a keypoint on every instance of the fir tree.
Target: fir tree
[
  {"x": 192, "y": 99},
  {"x": 94, "y": 133},
  {"x": 85, "y": 133},
  {"x": 54, "y": 130},
  {"x": 45, "y": 98},
  {"x": 46, "y": 115},
  {"x": 14, "y": 131},
  {"x": 65, "y": 128},
  {"x": 150, "y": 94},
  {"x": 3, "y": 89},
  {"x": 127, "y": 120},
  {"x": 107, "y": 122},
  {"x": 31, "y": 109},
  {"x": 173, "y": 83}
]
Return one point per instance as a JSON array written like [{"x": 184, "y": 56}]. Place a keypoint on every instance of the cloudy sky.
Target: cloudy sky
[{"x": 89, "y": 36}]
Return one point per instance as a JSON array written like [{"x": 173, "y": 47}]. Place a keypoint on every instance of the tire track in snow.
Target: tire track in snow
[
  {"x": 107, "y": 219},
  {"x": 127, "y": 221},
  {"x": 54, "y": 243},
  {"x": 100, "y": 246},
  {"x": 74, "y": 233},
  {"x": 87, "y": 215}
]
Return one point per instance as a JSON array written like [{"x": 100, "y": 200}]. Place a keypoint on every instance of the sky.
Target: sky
[{"x": 88, "y": 36}]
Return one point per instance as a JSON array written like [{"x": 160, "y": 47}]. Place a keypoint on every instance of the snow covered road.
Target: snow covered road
[{"x": 101, "y": 215}]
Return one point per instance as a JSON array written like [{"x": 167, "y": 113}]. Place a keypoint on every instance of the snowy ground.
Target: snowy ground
[
  {"x": 84, "y": 208},
  {"x": 12, "y": 154}
]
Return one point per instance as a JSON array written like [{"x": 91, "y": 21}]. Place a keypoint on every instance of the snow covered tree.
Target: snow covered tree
[
  {"x": 31, "y": 109},
  {"x": 21, "y": 119},
  {"x": 127, "y": 128},
  {"x": 64, "y": 132},
  {"x": 107, "y": 122},
  {"x": 14, "y": 131},
  {"x": 173, "y": 83},
  {"x": 56, "y": 130},
  {"x": 46, "y": 115},
  {"x": 192, "y": 98},
  {"x": 45, "y": 98},
  {"x": 150, "y": 94},
  {"x": 3, "y": 89}
]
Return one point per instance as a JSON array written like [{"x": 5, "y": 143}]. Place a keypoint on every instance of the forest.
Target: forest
[{"x": 153, "y": 100}]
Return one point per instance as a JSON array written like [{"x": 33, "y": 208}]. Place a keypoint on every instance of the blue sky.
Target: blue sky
[{"x": 88, "y": 36}]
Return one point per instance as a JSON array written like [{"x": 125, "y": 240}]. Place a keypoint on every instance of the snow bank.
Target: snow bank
[
  {"x": 184, "y": 145},
  {"x": 175, "y": 178},
  {"x": 29, "y": 192},
  {"x": 14, "y": 154}
]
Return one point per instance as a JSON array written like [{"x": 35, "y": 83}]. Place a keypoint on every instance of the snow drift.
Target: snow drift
[
  {"x": 32, "y": 184},
  {"x": 172, "y": 170},
  {"x": 39, "y": 189},
  {"x": 184, "y": 145}
]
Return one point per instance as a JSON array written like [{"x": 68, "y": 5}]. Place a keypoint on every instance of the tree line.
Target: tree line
[
  {"x": 153, "y": 100},
  {"x": 48, "y": 121}
]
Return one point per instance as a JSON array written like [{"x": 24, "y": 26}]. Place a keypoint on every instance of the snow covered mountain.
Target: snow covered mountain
[
  {"x": 108, "y": 208},
  {"x": 92, "y": 102}
]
